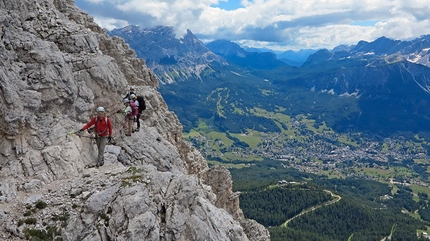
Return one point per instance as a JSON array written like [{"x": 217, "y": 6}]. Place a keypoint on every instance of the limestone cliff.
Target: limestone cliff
[{"x": 56, "y": 67}]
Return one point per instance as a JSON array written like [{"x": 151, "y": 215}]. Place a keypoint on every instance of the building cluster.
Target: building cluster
[{"x": 325, "y": 152}]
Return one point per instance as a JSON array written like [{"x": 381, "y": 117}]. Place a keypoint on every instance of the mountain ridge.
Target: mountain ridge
[
  {"x": 171, "y": 58},
  {"x": 349, "y": 115},
  {"x": 153, "y": 184},
  {"x": 366, "y": 72},
  {"x": 248, "y": 60}
]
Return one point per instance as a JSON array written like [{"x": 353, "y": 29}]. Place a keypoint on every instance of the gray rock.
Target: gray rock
[
  {"x": 33, "y": 199},
  {"x": 56, "y": 67}
]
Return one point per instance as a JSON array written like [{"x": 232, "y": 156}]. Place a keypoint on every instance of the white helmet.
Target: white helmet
[
  {"x": 132, "y": 96},
  {"x": 100, "y": 109},
  {"x": 132, "y": 87}
]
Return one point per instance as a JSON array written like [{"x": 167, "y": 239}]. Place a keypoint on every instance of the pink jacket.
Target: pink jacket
[{"x": 134, "y": 109}]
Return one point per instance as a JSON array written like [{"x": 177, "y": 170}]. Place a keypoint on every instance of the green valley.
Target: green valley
[
  {"x": 351, "y": 121},
  {"x": 383, "y": 182}
]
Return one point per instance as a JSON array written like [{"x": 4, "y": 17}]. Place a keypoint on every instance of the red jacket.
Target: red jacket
[{"x": 103, "y": 126}]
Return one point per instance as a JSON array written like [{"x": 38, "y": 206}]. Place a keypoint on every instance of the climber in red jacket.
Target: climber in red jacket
[{"x": 103, "y": 130}]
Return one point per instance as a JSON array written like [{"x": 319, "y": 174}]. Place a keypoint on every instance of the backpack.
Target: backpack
[{"x": 142, "y": 105}]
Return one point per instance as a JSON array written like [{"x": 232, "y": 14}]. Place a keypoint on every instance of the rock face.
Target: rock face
[{"x": 56, "y": 67}]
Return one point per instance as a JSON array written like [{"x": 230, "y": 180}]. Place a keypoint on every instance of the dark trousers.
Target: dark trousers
[{"x": 137, "y": 120}]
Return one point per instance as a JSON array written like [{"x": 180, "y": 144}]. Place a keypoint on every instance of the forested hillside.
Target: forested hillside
[{"x": 367, "y": 210}]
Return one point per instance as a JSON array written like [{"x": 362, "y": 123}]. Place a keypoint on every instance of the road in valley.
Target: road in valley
[{"x": 336, "y": 199}]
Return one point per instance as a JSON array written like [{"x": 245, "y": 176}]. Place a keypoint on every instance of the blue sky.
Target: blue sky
[
  {"x": 275, "y": 24},
  {"x": 228, "y": 5}
]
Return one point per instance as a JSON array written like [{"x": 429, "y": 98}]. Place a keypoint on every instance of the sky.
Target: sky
[{"x": 276, "y": 24}]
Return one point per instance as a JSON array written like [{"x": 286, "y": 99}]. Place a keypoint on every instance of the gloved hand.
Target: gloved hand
[
  {"x": 79, "y": 132},
  {"x": 118, "y": 111},
  {"x": 109, "y": 138}
]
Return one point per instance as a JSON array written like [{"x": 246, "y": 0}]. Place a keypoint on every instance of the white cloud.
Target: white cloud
[
  {"x": 110, "y": 23},
  {"x": 291, "y": 24},
  {"x": 156, "y": 9}
]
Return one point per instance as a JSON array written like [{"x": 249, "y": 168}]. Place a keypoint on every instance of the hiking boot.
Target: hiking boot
[
  {"x": 137, "y": 129},
  {"x": 100, "y": 164}
]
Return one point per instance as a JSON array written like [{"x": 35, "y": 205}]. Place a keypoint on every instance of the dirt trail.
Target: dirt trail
[{"x": 337, "y": 199}]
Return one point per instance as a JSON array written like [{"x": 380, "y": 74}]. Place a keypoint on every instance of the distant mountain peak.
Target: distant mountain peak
[
  {"x": 169, "y": 57},
  {"x": 415, "y": 51},
  {"x": 239, "y": 56},
  {"x": 226, "y": 48}
]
